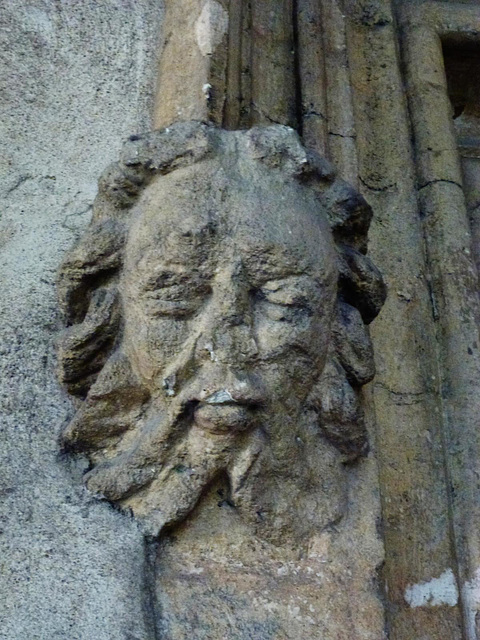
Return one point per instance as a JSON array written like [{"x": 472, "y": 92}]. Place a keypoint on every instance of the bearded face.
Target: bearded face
[{"x": 223, "y": 321}]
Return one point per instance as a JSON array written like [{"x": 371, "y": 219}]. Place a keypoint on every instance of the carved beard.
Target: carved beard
[
  {"x": 153, "y": 456},
  {"x": 157, "y": 457}
]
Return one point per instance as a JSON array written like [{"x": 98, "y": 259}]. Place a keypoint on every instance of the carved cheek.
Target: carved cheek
[
  {"x": 152, "y": 342},
  {"x": 284, "y": 338},
  {"x": 165, "y": 339}
]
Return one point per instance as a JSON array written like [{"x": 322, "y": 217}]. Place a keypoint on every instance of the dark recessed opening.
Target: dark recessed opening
[{"x": 462, "y": 67}]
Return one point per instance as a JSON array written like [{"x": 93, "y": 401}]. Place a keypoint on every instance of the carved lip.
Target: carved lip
[
  {"x": 223, "y": 397},
  {"x": 221, "y": 414},
  {"x": 220, "y": 397}
]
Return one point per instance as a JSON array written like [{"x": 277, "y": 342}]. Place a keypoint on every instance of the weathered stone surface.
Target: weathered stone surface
[
  {"x": 230, "y": 63},
  {"x": 230, "y": 365},
  {"x": 192, "y": 70},
  {"x": 443, "y": 199},
  {"x": 76, "y": 78},
  {"x": 415, "y": 332},
  {"x": 217, "y": 581}
]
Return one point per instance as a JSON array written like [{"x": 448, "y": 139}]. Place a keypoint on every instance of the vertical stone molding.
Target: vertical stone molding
[
  {"x": 452, "y": 268},
  {"x": 193, "y": 62},
  {"x": 232, "y": 64}
]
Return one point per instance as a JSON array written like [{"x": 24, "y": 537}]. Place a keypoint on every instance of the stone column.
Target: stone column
[
  {"x": 420, "y": 564},
  {"x": 228, "y": 63},
  {"x": 452, "y": 269}
]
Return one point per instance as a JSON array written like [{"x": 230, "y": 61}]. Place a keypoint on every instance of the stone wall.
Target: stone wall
[
  {"x": 77, "y": 78},
  {"x": 372, "y": 95}
]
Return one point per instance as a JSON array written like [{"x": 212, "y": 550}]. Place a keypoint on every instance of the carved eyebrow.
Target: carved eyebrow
[
  {"x": 291, "y": 280},
  {"x": 261, "y": 271},
  {"x": 164, "y": 278},
  {"x": 188, "y": 249},
  {"x": 273, "y": 263},
  {"x": 173, "y": 275}
]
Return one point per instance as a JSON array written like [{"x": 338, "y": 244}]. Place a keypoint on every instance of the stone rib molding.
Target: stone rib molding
[
  {"x": 454, "y": 278},
  {"x": 408, "y": 442}
]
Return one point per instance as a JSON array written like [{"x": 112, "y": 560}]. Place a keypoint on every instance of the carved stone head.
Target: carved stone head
[{"x": 216, "y": 311}]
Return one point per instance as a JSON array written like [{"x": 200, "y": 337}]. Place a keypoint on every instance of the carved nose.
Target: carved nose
[
  {"x": 229, "y": 332},
  {"x": 233, "y": 304},
  {"x": 228, "y": 343},
  {"x": 237, "y": 342}
]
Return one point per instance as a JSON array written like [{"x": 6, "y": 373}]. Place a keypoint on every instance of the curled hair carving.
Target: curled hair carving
[{"x": 92, "y": 365}]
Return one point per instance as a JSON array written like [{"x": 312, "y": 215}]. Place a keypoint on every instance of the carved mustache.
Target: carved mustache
[
  {"x": 191, "y": 378},
  {"x": 172, "y": 464},
  {"x": 166, "y": 433},
  {"x": 219, "y": 386}
]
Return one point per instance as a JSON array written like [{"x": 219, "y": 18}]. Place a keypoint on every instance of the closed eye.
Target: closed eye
[
  {"x": 282, "y": 307},
  {"x": 288, "y": 299},
  {"x": 164, "y": 280},
  {"x": 295, "y": 292},
  {"x": 174, "y": 294}
]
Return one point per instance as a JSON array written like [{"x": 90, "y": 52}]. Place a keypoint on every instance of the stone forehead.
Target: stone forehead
[{"x": 216, "y": 200}]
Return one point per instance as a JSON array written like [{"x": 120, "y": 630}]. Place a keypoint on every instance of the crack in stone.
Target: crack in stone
[
  {"x": 311, "y": 113},
  {"x": 405, "y": 397},
  {"x": 427, "y": 184},
  {"x": 19, "y": 182},
  {"x": 350, "y": 136},
  {"x": 387, "y": 187},
  {"x": 151, "y": 606}
]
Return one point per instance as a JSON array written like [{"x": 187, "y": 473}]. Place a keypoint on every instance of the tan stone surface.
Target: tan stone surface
[
  {"x": 192, "y": 70},
  {"x": 261, "y": 537},
  {"x": 228, "y": 63},
  {"x": 454, "y": 277},
  {"x": 216, "y": 313},
  {"x": 217, "y": 581},
  {"x": 410, "y": 437}
]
